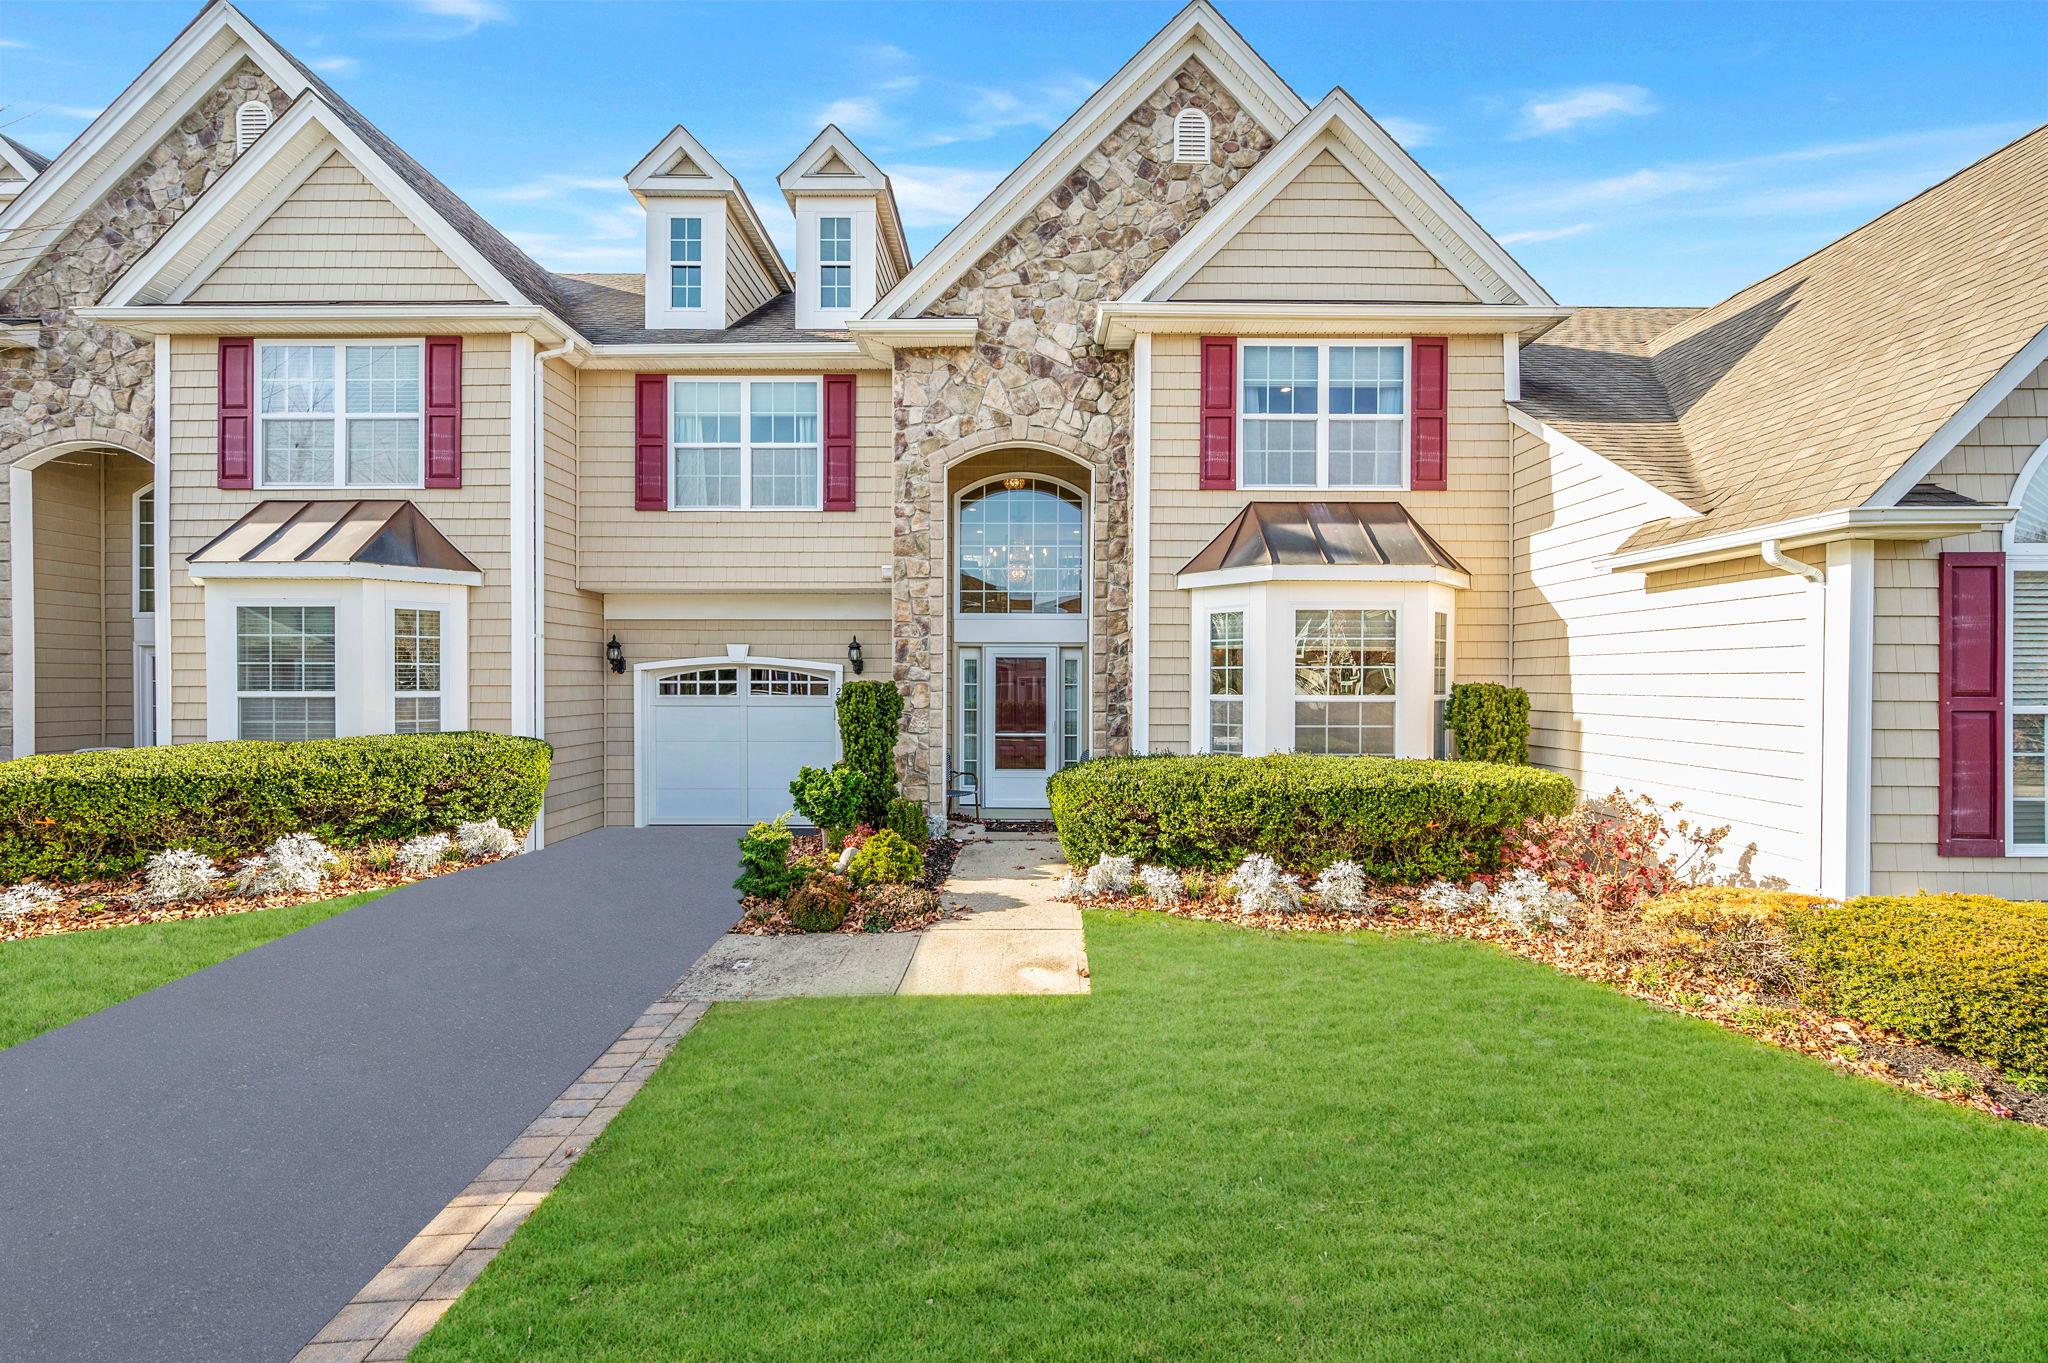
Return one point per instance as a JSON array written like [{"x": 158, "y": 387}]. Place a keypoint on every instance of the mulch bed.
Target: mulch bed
[
  {"x": 1854, "y": 1047},
  {"x": 904, "y": 908},
  {"x": 92, "y": 905}
]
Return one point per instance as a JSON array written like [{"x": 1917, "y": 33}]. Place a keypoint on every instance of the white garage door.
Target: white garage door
[{"x": 720, "y": 744}]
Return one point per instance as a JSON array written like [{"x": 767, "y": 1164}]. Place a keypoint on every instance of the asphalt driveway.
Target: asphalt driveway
[{"x": 208, "y": 1172}]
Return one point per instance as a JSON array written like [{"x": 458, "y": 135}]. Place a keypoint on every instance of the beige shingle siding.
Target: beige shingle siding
[
  {"x": 71, "y": 664},
  {"x": 747, "y": 284},
  {"x": 1322, "y": 239},
  {"x": 818, "y": 641},
  {"x": 626, "y": 550},
  {"x": 1696, "y": 685},
  {"x": 1469, "y": 518},
  {"x": 475, "y": 516},
  {"x": 338, "y": 239},
  {"x": 573, "y": 655},
  {"x": 1905, "y": 742}
]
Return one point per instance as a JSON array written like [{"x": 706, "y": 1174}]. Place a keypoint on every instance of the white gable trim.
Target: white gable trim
[
  {"x": 171, "y": 269},
  {"x": 646, "y": 181},
  {"x": 800, "y": 175},
  {"x": 1967, "y": 418},
  {"x": 1661, "y": 504},
  {"x": 1326, "y": 129},
  {"x": 218, "y": 38},
  {"x": 1197, "y": 31},
  {"x": 10, "y": 158}
]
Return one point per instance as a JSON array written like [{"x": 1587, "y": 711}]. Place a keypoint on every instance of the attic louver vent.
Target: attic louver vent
[
  {"x": 1190, "y": 135},
  {"x": 250, "y": 121}
]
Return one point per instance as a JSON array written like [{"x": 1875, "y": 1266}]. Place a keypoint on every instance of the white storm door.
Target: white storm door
[{"x": 1022, "y": 747}]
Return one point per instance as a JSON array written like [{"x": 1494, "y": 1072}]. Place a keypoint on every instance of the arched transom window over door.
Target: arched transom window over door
[{"x": 1023, "y": 549}]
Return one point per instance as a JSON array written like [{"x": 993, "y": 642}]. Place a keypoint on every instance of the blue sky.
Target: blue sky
[{"x": 1639, "y": 153}]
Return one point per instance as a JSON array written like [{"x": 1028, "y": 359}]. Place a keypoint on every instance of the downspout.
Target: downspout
[
  {"x": 1785, "y": 563},
  {"x": 537, "y": 529}
]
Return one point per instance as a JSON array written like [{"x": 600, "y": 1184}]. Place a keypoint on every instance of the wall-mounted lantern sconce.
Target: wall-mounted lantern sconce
[
  {"x": 853, "y": 656},
  {"x": 615, "y": 655}
]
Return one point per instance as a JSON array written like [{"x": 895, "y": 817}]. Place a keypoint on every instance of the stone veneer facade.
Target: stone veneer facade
[
  {"x": 1036, "y": 377},
  {"x": 85, "y": 383}
]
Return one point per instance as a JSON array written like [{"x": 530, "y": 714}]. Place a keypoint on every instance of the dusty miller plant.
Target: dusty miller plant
[
  {"x": 1262, "y": 887},
  {"x": 178, "y": 875},
  {"x": 296, "y": 863},
  {"x": 1110, "y": 875},
  {"x": 1161, "y": 885},
  {"x": 1341, "y": 886},
  {"x": 1525, "y": 901},
  {"x": 417, "y": 856},
  {"x": 487, "y": 839},
  {"x": 1450, "y": 899},
  {"x": 19, "y": 901}
]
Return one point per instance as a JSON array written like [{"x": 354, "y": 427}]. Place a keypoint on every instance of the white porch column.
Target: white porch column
[
  {"x": 1141, "y": 544},
  {"x": 1847, "y": 660}
]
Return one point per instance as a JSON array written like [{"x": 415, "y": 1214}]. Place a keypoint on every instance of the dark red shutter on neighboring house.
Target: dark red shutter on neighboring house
[
  {"x": 839, "y": 422},
  {"x": 443, "y": 410},
  {"x": 650, "y": 442},
  {"x": 1972, "y": 801},
  {"x": 1219, "y": 412},
  {"x": 235, "y": 413},
  {"x": 1428, "y": 431}
]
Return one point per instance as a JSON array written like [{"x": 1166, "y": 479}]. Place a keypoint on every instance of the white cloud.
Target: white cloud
[
  {"x": 12, "y": 42},
  {"x": 984, "y": 112},
  {"x": 467, "y": 15},
  {"x": 939, "y": 196},
  {"x": 336, "y": 65},
  {"x": 1544, "y": 234},
  {"x": 559, "y": 252},
  {"x": 1620, "y": 191},
  {"x": 1588, "y": 104},
  {"x": 83, "y": 113},
  {"x": 855, "y": 116},
  {"x": 1409, "y": 132},
  {"x": 552, "y": 187}
]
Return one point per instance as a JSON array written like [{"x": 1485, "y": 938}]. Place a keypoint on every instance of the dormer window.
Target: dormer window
[
  {"x": 686, "y": 263},
  {"x": 835, "y": 263},
  {"x": 1190, "y": 136}
]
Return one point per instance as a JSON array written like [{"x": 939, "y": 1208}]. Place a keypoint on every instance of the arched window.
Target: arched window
[
  {"x": 1190, "y": 135},
  {"x": 2026, "y": 545},
  {"x": 1023, "y": 549}
]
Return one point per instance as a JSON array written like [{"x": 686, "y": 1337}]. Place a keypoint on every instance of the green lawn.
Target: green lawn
[
  {"x": 46, "y": 982},
  {"x": 1260, "y": 1147}
]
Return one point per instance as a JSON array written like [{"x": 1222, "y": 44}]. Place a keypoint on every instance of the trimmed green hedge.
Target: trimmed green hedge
[
  {"x": 1402, "y": 821},
  {"x": 1968, "y": 972},
  {"x": 79, "y": 816}
]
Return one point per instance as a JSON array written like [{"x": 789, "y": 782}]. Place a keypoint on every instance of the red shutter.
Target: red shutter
[
  {"x": 444, "y": 411},
  {"x": 235, "y": 413},
  {"x": 1428, "y": 433},
  {"x": 839, "y": 416},
  {"x": 650, "y": 442},
  {"x": 1219, "y": 412},
  {"x": 1972, "y": 801}
]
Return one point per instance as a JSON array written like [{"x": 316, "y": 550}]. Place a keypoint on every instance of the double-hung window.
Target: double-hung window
[
  {"x": 1344, "y": 681},
  {"x": 745, "y": 444},
  {"x": 145, "y": 552},
  {"x": 1324, "y": 415},
  {"x": 334, "y": 415},
  {"x": 835, "y": 263},
  {"x": 686, "y": 263},
  {"x": 284, "y": 671},
  {"x": 1440, "y": 681},
  {"x": 2029, "y": 706},
  {"x": 415, "y": 671},
  {"x": 1226, "y": 681}
]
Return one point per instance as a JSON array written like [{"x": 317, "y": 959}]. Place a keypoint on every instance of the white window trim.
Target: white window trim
[
  {"x": 668, "y": 275},
  {"x": 143, "y": 618},
  {"x": 710, "y": 314},
  {"x": 339, "y": 416},
  {"x": 1018, "y": 628},
  {"x": 1206, "y": 722},
  {"x": 438, "y": 694},
  {"x": 2019, "y": 558},
  {"x": 811, "y": 211},
  {"x": 824, "y": 264},
  {"x": 241, "y": 695},
  {"x": 1295, "y": 695},
  {"x": 747, "y": 445},
  {"x": 1322, "y": 345}
]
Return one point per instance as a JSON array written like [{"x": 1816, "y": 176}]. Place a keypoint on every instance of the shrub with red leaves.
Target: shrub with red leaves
[{"x": 1613, "y": 854}]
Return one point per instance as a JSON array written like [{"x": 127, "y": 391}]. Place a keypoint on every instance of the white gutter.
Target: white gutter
[
  {"x": 1862, "y": 523},
  {"x": 880, "y": 337},
  {"x": 329, "y": 319}
]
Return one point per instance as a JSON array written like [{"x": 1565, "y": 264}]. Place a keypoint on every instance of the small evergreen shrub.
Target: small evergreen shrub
[
  {"x": 1489, "y": 721},
  {"x": 820, "y": 904},
  {"x": 834, "y": 798},
  {"x": 84, "y": 816},
  {"x": 1402, "y": 822},
  {"x": 905, "y": 818},
  {"x": 765, "y": 872},
  {"x": 1968, "y": 972},
  {"x": 885, "y": 859},
  {"x": 1725, "y": 908},
  {"x": 869, "y": 715}
]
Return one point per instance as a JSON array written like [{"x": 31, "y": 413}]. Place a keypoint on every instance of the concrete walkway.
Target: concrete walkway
[{"x": 1016, "y": 937}]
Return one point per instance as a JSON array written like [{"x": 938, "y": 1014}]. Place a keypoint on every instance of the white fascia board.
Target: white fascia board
[
  {"x": 331, "y": 319},
  {"x": 1197, "y": 30},
  {"x": 797, "y": 179},
  {"x": 862, "y": 605},
  {"x": 1860, "y": 523},
  {"x": 1117, "y": 324},
  {"x": 221, "y": 27},
  {"x": 1966, "y": 419},
  {"x": 1662, "y": 505},
  {"x": 647, "y": 174},
  {"x": 880, "y": 337},
  {"x": 1323, "y": 572},
  {"x": 712, "y": 356},
  {"x": 331, "y": 572}
]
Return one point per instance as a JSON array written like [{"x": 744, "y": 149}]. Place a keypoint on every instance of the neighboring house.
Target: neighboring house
[{"x": 1217, "y": 426}]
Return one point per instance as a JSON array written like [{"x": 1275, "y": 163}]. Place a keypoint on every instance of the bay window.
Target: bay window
[
  {"x": 1321, "y": 415},
  {"x": 338, "y": 415},
  {"x": 1344, "y": 681},
  {"x": 1226, "y": 682},
  {"x": 284, "y": 672},
  {"x": 415, "y": 670},
  {"x": 745, "y": 444}
]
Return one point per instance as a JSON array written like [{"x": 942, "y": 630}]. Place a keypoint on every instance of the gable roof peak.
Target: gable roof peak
[{"x": 832, "y": 164}]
